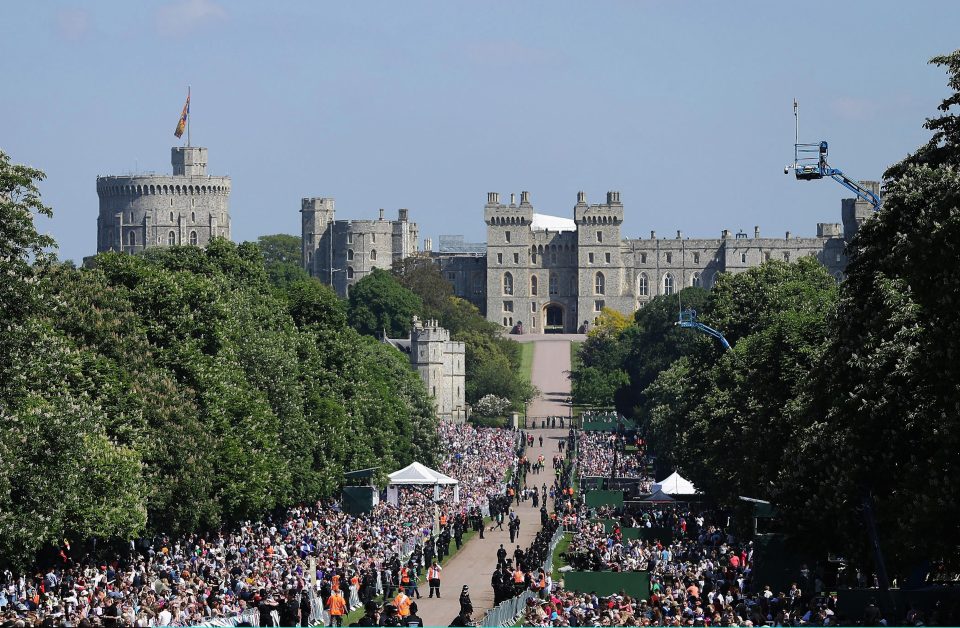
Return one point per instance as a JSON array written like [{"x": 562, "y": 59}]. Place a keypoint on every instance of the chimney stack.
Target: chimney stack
[
  {"x": 581, "y": 198},
  {"x": 427, "y": 245},
  {"x": 524, "y": 198},
  {"x": 493, "y": 198},
  {"x": 679, "y": 234},
  {"x": 788, "y": 235},
  {"x": 653, "y": 234},
  {"x": 756, "y": 232},
  {"x": 381, "y": 213},
  {"x": 725, "y": 234},
  {"x": 403, "y": 214},
  {"x": 513, "y": 199}
]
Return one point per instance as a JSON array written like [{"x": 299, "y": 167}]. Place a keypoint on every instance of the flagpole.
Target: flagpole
[{"x": 188, "y": 116}]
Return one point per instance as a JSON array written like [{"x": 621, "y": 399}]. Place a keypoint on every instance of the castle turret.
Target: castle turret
[
  {"x": 143, "y": 211},
  {"x": 317, "y": 214}
]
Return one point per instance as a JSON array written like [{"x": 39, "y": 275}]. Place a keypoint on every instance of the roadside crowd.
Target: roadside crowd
[{"x": 263, "y": 565}]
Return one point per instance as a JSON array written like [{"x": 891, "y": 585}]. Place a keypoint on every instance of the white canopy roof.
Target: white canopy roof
[
  {"x": 675, "y": 484},
  {"x": 416, "y": 473},
  {"x": 545, "y": 222}
]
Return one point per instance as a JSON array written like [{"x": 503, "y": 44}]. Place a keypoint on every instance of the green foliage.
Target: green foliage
[
  {"x": 282, "y": 258},
  {"x": 378, "y": 304},
  {"x": 180, "y": 390}
]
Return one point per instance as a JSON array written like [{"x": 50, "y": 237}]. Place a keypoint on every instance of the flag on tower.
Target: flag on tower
[{"x": 183, "y": 117}]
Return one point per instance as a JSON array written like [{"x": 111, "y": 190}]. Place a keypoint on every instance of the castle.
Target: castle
[
  {"x": 548, "y": 274},
  {"x": 441, "y": 363},
  {"x": 143, "y": 211},
  {"x": 342, "y": 252}
]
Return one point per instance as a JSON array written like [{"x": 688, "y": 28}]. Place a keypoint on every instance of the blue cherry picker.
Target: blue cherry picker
[
  {"x": 688, "y": 319},
  {"x": 810, "y": 164}
]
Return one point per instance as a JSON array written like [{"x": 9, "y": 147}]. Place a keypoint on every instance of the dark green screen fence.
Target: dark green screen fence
[{"x": 633, "y": 583}]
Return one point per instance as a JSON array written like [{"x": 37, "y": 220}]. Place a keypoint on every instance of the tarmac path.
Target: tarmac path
[{"x": 474, "y": 564}]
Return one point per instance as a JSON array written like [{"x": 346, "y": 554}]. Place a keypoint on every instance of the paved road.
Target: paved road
[{"x": 473, "y": 565}]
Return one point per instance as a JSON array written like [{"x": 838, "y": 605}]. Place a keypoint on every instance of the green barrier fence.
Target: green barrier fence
[
  {"x": 664, "y": 535},
  {"x": 633, "y": 583},
  {"x": 599, "y": 426},
  {"x": 596, "y": 499}
]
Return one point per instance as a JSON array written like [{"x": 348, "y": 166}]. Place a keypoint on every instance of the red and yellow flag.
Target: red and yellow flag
[{"x": 181, "y": 125}]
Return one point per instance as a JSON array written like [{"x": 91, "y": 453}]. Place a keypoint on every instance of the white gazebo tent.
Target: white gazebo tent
[
  {"x": 675, "y": 484},
  {"x": 417, "y": 474}
]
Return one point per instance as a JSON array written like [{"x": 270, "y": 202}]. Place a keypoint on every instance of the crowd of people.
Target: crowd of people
[
  {"x": 268, "y": 565},
  {"x": 605, "y": 454}
]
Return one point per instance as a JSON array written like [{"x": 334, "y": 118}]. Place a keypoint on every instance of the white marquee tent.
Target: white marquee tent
[
  {"x": 417, "y": 474},
  {"x": 675, "y": 484}
]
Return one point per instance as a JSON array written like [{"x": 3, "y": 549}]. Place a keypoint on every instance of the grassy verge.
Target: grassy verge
[
  {"x": 526, "y": 360},
  {"x": 558, "y": 561}
]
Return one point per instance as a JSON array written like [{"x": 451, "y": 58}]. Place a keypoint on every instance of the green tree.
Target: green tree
[
  {"x": 378, "y": 303},
  {"x": 282, "y": 259}
]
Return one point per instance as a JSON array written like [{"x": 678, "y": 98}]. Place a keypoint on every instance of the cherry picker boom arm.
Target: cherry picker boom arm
[{"x": 688, "y": 319}]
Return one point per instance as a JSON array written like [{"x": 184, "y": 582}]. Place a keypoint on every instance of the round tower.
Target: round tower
[{"x": 143, "y": 211}]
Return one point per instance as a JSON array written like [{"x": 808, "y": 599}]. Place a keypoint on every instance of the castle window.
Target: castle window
[
  {"x": 839, "y": 257},
  {"x": 533, "y": 285},
  {"x": 766, "y": 256},
  {"x": 506, "y": 234},
  {"x": 838, "y": 276},
  {"x": 504, "y": 321},
  {"x": 743, "y": 258},
  {"x": 533, "y": 257},
  {"x": 508, "y": 306},
  {"x": 193, "y": 216},
  {"x": 606, "y": 257},
  {"x": 499, "y": 258},
  {"x": 696, "y": 258},
  {"x": 669, "y": 258},
  {"x": 643, "y": 286},
  {"x": 172, "y": 238},
  {"x": 349, "y": 255},
  {"x": 507, "y": 283},
  {"x": 643, "y": 258},
  {"x": 695, "y": 280},
  {"x": 132, "y": 238},
  {"x": 599, "y": 236},
  {"x": 373, "y": 238},
  {"x": 553, "y": 285},
  {"x": 668, "y": 284},
  {"x": 599, "y": 284},
  {"x": 171, "y": 213},
  {"x": 533, "y": 307},
  {"x": 598, "y": 305},
  {"x": 786, "y": 256},
  {"x": 589, "y": 258},
  {"x": 373, "y": 255},
  {"x": 516, "y": 258},
  {"x": 349, "y": 238},
  {"x": 349, "y": 272},
  {"x": 452, "y": 276},
  {"x": 193, "y": 238}
]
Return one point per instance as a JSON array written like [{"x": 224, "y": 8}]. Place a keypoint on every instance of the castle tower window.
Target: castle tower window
[
  {"x": 533, "y": 285},
  {"x": 696, "y": 258},
  {"x": 668, "y": 284},
  {"x": 349, "y": 238},
  {"x": 669, "y": 258},
  {"x": 643, "y": 285},
  {"x": 349, "y": 255},
  {"x": 589, "y": 258},
  {"x": 132, "y": 238},
  {"x": 786, "y": 256},
  {"x": 695, "y": 280},
  {"x": 499, "y": 258},
  {"x": 171, "y": 213},
  {"x": 598, "y": 305},
  {"x": 373, "y": 238},
  {"x": 766, "y": 256},
  {"x": 194, "y": 241},
  {"x": 506, "y": 234},
  {"x": 507, "y": 283},
  {"x": 599, "y": 236},
  {"x": 533, "y": 306},
  {"x": 349, "y": 272},
  {"x": 172, "y": 238},
  {"x": 554, "y": 289},
  {"x": 599, "y": 284},
  {"x": 193, "y": 216},
  {"x": 743, "y": 258},
  {"x": 643, "y": 258},
  {"x": 508, "y": 306},
  {"x": 373, "y": 255},
  {"x": 516, "y": 258},
  {"x": 606, "y": 256}
]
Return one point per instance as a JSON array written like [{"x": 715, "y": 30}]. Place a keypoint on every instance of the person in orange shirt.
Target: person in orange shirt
[
  {"x": 402, "y": 602},
  {"x": 337, "y": 607}
]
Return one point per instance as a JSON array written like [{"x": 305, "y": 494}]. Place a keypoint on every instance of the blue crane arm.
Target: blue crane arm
[
  {"x": 861, "y": 192},
  {"x": 688, "y": 320}
]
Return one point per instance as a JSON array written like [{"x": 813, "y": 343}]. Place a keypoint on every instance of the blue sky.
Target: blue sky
[{"x": 684, "y": 107}]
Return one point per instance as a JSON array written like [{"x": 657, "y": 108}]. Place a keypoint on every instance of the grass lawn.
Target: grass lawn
[
  {"x": 574, "y": 351},
  {"x": 526, "y": 360}
]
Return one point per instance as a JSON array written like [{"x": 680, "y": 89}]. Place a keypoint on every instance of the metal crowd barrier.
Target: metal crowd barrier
[
  {"x": 249, "y": 616},
  {"x": 506, "y": 613}
]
